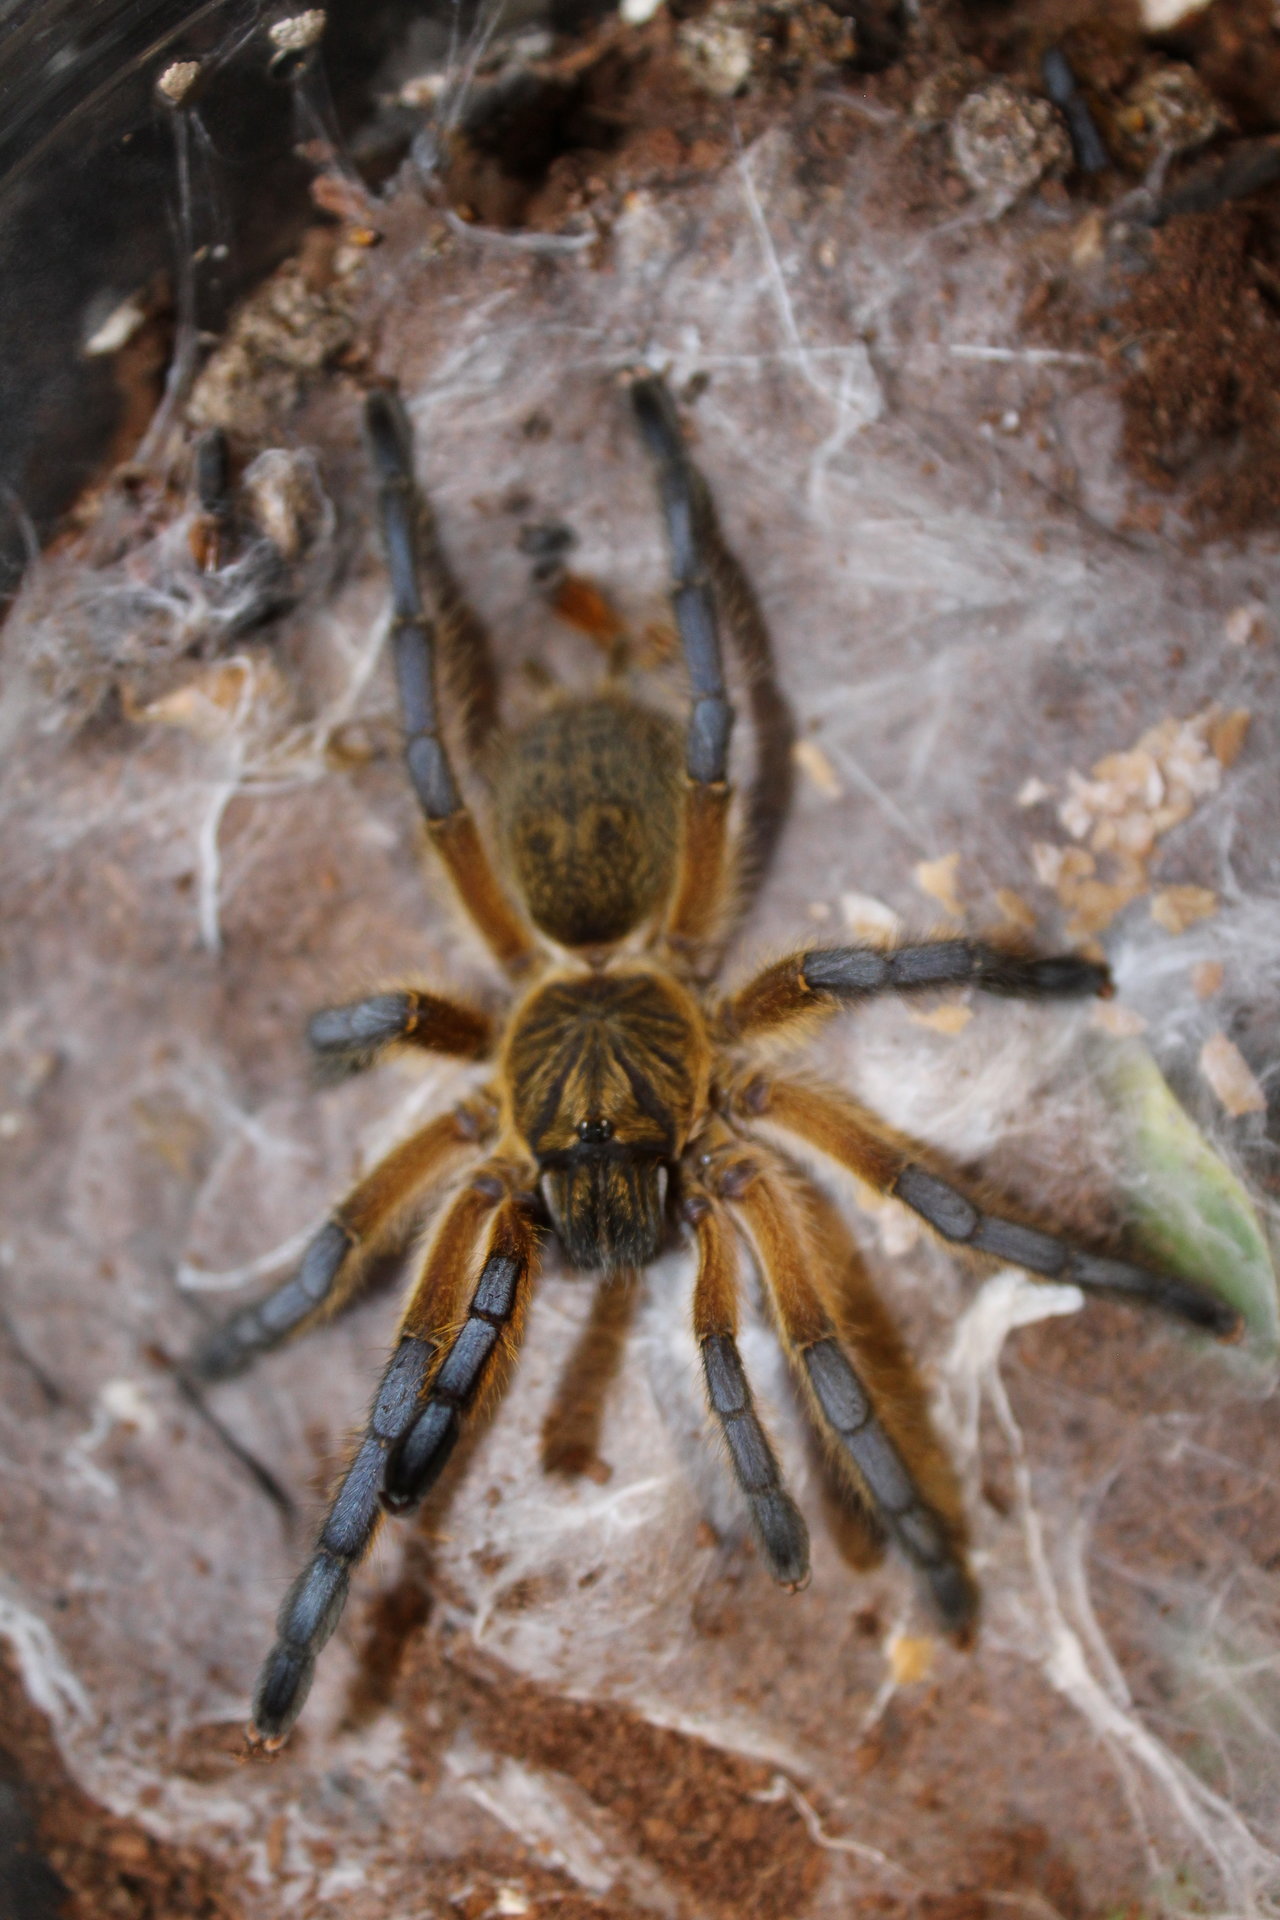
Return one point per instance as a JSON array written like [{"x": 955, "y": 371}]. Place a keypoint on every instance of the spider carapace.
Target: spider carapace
[{"x": 631, "y": 1102}]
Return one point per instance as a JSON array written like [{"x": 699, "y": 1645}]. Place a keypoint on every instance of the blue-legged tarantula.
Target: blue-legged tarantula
[{"x": 628, "y": 1094}]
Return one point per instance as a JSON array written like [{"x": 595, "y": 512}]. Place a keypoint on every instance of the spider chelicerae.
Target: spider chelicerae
[{"x": 631, "y": 1101}]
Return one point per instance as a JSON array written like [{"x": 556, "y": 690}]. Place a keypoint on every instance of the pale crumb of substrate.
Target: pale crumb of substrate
[
  {"x": 869, "y": 918},
  {"x": 1122, "y": 1022},
  {"x": 910, "y": 1657},
  {"x": 423, "y": 90},
  {"x": 634, "y": 13},
  {"x": 1160, "y": 16},
  {"x": 951, "y": 1019},
  {"x": 1228, "y": 1073},
  {"x": 1170, "y": 110},
  {"x": 177, "y": 80},
  {"x": 1206, "y": 978},
  {"x": 299, "y": 31},
  {"x": 1004, "y": 140},
  {"x": 285, "y": 497},
  {"x": 897, "y": 1228},
  {"x": 716, "y": 50},
  {"x": 11, "y": 1125},
  {"x": 126, "y": 1402},
  {"x": 510, "y": 1900},
  {"x": 1033, "y": 791},
  {"x": 814, "y": 764},
  {"x": 1089, "y": 244},
  {"x": 1177, "y": 908},
  {"x": 937, "y": 878},
  {"x": 349, "y": 258},
  {"x": 218, "y": 698},
  {"x": 1015, "y": 912},
  {"x": 818, "y": 910},
  {"x": 1046, "y": 861},
  {"x": 117, "y": 329},
  {"x": 1245, "y": 623}
]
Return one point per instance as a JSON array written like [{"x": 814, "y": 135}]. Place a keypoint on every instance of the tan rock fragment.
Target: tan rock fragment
[
  {"x": 951, "y": 1019},
  {"x": 1206, "y": 978},
  {"x": 814, "y": 764},
  {"x": 910, "y": 1657},
  {"x": 1015, "y": 912},
  {"x": 868, "y": 918},
  {"x": 1177, "y": 908},
  {"x": 1226, "y": 736},
  {"x": 937, "y": 878},
  {"x": 1110, "y": 1017},
  {"x": 1228, "y": 1073}
]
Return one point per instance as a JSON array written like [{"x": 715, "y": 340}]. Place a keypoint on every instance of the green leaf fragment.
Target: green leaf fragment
[{"x": 1193, "y": 1216}]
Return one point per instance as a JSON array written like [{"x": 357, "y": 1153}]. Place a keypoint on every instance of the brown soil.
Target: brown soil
[
  {"x": 1201, "y": 407},
  {"x": 702, "y": 1816},
  {"x": 69, "y": 1857}
]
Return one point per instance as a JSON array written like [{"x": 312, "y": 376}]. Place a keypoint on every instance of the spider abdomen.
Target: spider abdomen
[{"x": 588, "y": 805}]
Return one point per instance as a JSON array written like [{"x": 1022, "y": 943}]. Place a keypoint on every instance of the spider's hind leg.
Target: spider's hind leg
[
  {"x": 779, "y": 1526},
  {"x": 861, "y": 1445},
  {"x": 839, "y": 1128}
]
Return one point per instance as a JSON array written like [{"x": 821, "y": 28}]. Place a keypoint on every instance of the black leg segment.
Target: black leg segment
[
  {"x": 350, "y": 1038},
  {"x": 855, "y": 973},
  {"x": 391, "y": 447},
  {"x": 920, "y": 1533},
  {"x": 957, "y": 1218},
  {"x": 313, "y": 1605},
  {"x": 258, "y": 1328},
  {"x": 685, "y": 510},
  {"x": 777, "y": 1520},
  {"x": 422, "y": 1454}
]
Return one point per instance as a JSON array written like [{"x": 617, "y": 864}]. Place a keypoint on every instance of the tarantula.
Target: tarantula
[{"x": 628, "y": 1097}]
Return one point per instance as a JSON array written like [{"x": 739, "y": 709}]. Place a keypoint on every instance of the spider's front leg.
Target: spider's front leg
[
  {"x": 450, "y": 822},
  {"x": 451, "y": 1365},
  {"x": 698, "y": 904},
  {"x": 815, "y": 983}
]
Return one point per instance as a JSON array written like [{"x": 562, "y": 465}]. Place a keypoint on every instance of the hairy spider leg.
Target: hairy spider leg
[
  {"x": 867, "y": 1329},
  {"x": 772, "y": 724},
  {"x": 474, "y": 1360},
  {"x": 212, "y": 529},
  {"x": 339, "y": 1256},
  {"x": 698, "y": 901},
  {"x": 571, "y": 1429},
  {"x": 849, "y": 1135},
  {"x": 313, "y": 1605},
  {"x": 777, "y": 1520},
  {"x": 840, "y": 1399},
  {"x": 824, "y": 978},
  {"x": 450, "y": 823},
  {"x": 470, "y": 678},
  {"x": 350, "y": 1038}
]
